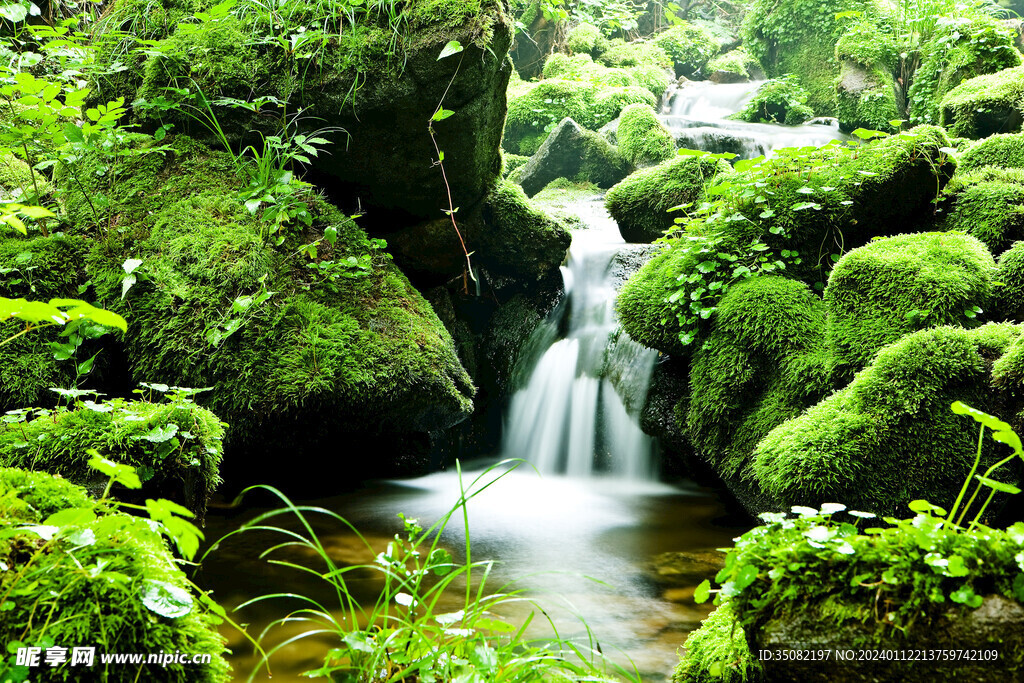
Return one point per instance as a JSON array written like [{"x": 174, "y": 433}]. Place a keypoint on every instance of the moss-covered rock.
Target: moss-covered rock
[
  {"x": 512, "y": 162},
  {"x": 112, "y": 582},
  {"x": 866, "y": 44},
  {"x": 1004, "y": 150},
  {"x": 865, "y": 90},
  {"x": 889, "y": 437},
  {"x": 585, "y": 39},
  {"x": 985, "y": 105},
  {"x": 987, "y": 203},
  {"x": 962, "y": 49},
  {"x": 636, "y": 53},
  {"x": 640, "y": 204},
  {"x": 888, "y": 288},
  {"x": 535, "y": 112},
  {"x": 799, "y": 37},
  {"x": 1008, "y": 300},
  {"x": 575, "y": 154},
  {"x": 643, "y": 138},
  {"x": 38, "y": 268},
  {"x": 176, "y": 447},
  {"x": 343, "y": 343},
  {"x": 371, "y": 88},
  {"x": 718, "y": 652},
  {"x": 779, "y": 100},
  {"x": 737, "y": 66},
  {"x": 581, "y": 67},
  {"x": 689, "y": 46}
]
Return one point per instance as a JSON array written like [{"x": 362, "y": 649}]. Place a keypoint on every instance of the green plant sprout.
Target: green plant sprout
[{"x": 56, "y": 312}]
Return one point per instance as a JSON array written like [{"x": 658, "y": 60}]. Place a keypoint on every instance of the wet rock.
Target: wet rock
[
  {"x": 687, "y": 568},
  {"x": 576, "y": 154}
]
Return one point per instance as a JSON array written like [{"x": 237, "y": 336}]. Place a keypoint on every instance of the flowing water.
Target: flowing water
[
  {"x": 696, "y": 114},
  {"x": 583, "y": 533}
]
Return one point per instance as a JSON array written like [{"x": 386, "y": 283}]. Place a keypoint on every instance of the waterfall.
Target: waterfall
[
  {"x": 696, "y": 114},
  {"x": 578, "y": 410}
]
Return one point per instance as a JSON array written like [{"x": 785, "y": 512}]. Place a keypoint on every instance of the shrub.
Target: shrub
[
  {"x": 779, "y": 100},
  {"x": 690, "y": 47}
]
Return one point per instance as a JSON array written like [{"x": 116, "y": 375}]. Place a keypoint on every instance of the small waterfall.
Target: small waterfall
[
  {"x": 696, "y": 114},
  {"x": 577, "y": 412}
]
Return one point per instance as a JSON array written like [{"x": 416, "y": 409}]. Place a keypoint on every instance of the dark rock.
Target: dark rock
[{"x": 576, "y": 154}]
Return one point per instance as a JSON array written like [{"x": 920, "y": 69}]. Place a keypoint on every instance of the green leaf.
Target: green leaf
[
  {"x": 160, "y": 434},
  {"x": 703, "y": 592},
  {"x": 166, "y": 599},
  {"x": 924, "y": 507},
  {"x": 997, "y": 485},
  {"x": 70, "y": 516},
  {"x": 122, "y": 474},
  {"x": 441, "y": 114},
  {"x": 453, "y": 47},
  {"x": 990, "y": 421}
]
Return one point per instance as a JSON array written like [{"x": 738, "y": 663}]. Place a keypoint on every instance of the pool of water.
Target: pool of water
[{"x": 583, "y": 547}]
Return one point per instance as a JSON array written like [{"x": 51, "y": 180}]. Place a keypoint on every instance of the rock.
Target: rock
[
  {"x": 734, "y": 67},
  {"x": 1003, "y": 150},
  {"x": 779, "y": 100},
  {"x": 997, "y": 625},
  {"x": 640, "y": 204},
  {"x": 687, "y": 568},
  {"x": 628, "y": 260},
  {"x": 987, "y": 203},
  {"x": 866, "y": 98},
  {"x": 576, "y": 154},
  {"x": 985, "y": 105},
  {"x": 643, "y": 139}
]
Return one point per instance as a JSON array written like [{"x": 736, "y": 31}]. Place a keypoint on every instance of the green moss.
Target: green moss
[
  {"x": 583, "y": 39},
  {"x": 760, "y": 365},
  {"x": 888, "y": 288},
  {"x": 643, "y": 138},
  {"x": 640, "y": 204},
  {"x": 521, "y": 238},
  {"x": 577, "y": 154},
  {"x": 717, "y": 652},
  {"x": 362, "y": 347},
  {"x": 872, "y": 108},
  {"x": 536, "y": 111},
  {"x": 637, "y": 53},
  {"x": 611, "y": 102},
  {"x": 864, "y": 44},
  {"x": 889, "y": 437},
  {"x": 988, "y": 204},
  {"x": 1006, "y": 150},
  {"x": 985, "y": 105},
  {"x": 737, "y": 62},
  {"x": 779, "y": 100},
  {"x": 1008, "y": 301},
  {"x": 651, "y": 77},
  {"x": 88, "y": 587},
  {"x": 511, "y": 162},
  {"x": 690, "y": 47},
  {"x": 643, "y": 306},
  {"x": 39, "y": 268},
  {"x": 962, "y": 49},
  {"x": 185, "y": 465},
  {"x": 21, "y": 184}
]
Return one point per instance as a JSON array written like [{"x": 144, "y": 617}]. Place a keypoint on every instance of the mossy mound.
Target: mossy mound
[
  {"x": 176, "y": 447},
  {"x": 989, "y": 204},
  {"x": 779, "y": 100},
  {"x": 643, "y": 138},
  {"x": 585, "y": 39},
  {"x": 734, "y": 66},
  {"x": 511, "y": 162},
  {"x": 636, "y": 53},
  {"x": 962, "y": 49},
  {"x": 865, "y": 90},
  {"x": 1008, "y": 300},
  {"x": 370, "y": 88},
  {"x": 39, "y": 268},
  {"x": 865, "y": 44},
  {"x": 576, "y": 154},
  {"x": 761, "y": 364},
  {"x": 985, "y": 105},
  {"x": 1004, "y": 150},
  {"x": 888, "y": 288},
  {"x": 830, "y": 197},
  {"x": 640, "y": 204},
  {"x": 581, "y": 67},
  {"x": 889, "y": 437},
  {"x": 718, "y": 652},
  {"x": 689, "y": 46},
  {"x": 799, "y": 37},
  {"x": 111, "y": 581},
  {"x": 343, "y": 343}
]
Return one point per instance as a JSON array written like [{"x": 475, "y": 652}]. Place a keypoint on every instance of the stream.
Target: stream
[{"x": 580, "y": 525}]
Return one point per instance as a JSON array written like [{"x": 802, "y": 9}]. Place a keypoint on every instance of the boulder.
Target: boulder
[
  {"x": 734, "y": 67},
  {"x": 689, "y": 46},
  {"x": 1005, "y": 150},
  {"x": 988, "y": 204},
  {"x": 985, "y": 105},
  {"x": 643, "y": 139},
  {"x": 576, "y": 154},
  {"x": 865, "y": 98},
  {"x": 779, "y": 100}
]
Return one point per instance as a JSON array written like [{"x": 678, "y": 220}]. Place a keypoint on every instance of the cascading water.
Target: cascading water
[
  {"x": 577, "y": 413},
  {"x": 696, "y": 114}
]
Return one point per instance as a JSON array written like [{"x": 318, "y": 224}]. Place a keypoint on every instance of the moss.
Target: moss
[
  {"x": 185, "y": 465},
  {"x": 717, "y": 652},
  {"x": 738, "y": 62},
  {"x": 576, "y": 154},
  {"x": 891, "y": 287},
  {"x": 88, "y": 587},
  {"x": 799, "y": 37},
  {"x": 690, "y": 47},
  {"x": 889, "y": 437},
  {"x": 962, "y": 49},
  {"x": 522, "y": 238},
  {"x": 651, "y": 77},
  {"x": 779, "y": 100},
  {"x": 39, "y": 268},
  {"x": 985, "y": 105},
  {"x": 643, "y": 138},
  {"x": 643, "y": 306},
  {"x": 357, "y": 343},
  {"x": 535, "y": 112},
  {"x": 1008, "y": 301},
  {"x": 640, "y": 204},
  {"x": 872, "y": 108},
  {"x": 583, "y": 38},
  {"x": 1006, "y": 150},
  {"x": 611, "y": 102},
  {"x": 988, "y": 204},
  {"x": 637, "y": 53},
  {"x": 511, "y": 162},
  {"x": 21, "y": 184},
  {"x": 866, "y": 45},
  {"x": 761, "y": 364}
]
